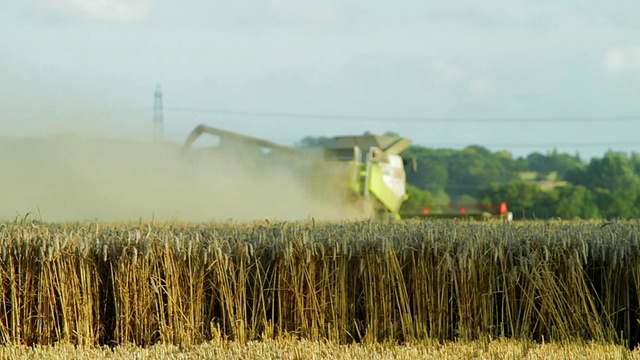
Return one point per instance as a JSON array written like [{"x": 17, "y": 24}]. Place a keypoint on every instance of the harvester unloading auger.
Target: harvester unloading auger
[{"x": 367, "y": 171}]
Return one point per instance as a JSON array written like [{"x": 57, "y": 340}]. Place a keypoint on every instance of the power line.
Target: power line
[
  {"x": 550, "y": 119},
  {"x": 547, "y": 145},
  {"x": 443, "y": 119},
  {"x": 508, "y": 145}
]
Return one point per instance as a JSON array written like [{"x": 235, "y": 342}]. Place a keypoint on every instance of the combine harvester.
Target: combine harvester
[{"x": 365, "y": 172}]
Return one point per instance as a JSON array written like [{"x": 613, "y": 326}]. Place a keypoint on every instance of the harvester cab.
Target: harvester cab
[
  {"x": 378, "y": 177},
  {"x": 366, "y": 172}
]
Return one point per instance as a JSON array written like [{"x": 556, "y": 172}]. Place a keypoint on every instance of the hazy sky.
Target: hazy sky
[{"x": 442, "y": 69}]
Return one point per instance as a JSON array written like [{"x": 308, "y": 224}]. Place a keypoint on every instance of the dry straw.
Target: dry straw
[{"x": 87, "y": 284}]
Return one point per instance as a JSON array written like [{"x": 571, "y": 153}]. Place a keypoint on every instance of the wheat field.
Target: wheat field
[
  {"x": 296, "y": 349},
  {"x": 365, "y": 283}
]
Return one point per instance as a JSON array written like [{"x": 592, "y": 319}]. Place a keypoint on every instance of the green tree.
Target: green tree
[
  {"x": 616, "y": 205},
  {"x": 615, "y": 183},
  {"x": 472, "y": 169},
  {"x": 577, "y": 201},
  {"x": 432, "y": 173},
  {"x": 635, "y": 160},
  {"x": 553, "y": 161},
  {"x": 417, "y": 197},
  {"x": 545, "y": 204}
]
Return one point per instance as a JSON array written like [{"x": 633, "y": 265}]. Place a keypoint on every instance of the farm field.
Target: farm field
[{"x": 243, "y": 289}]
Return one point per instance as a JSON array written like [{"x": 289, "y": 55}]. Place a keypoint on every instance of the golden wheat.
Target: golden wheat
[
  {"x": 181, "y": 284},
  {"x": 288, "y": 348}
]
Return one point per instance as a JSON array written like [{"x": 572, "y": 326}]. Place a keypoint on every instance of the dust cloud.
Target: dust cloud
[{"x": 71, "y": 178}]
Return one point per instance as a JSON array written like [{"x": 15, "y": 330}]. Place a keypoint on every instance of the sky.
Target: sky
[{"x": 521, "y": 76}]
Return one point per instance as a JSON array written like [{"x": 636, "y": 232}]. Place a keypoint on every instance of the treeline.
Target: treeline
[{"x": 551, "y": 185}]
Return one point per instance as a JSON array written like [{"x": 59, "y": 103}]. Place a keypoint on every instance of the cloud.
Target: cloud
[
  {"x": 622, "y": 60},
  {"x": 482, "y": 87},
  {"x": 124, "y": 11},
  {"x": 447, "y": 72},
  {"x": 307, "y": 12},
  {"x": 452, "y": 75},
  {"x": 476, "y": 17}
]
